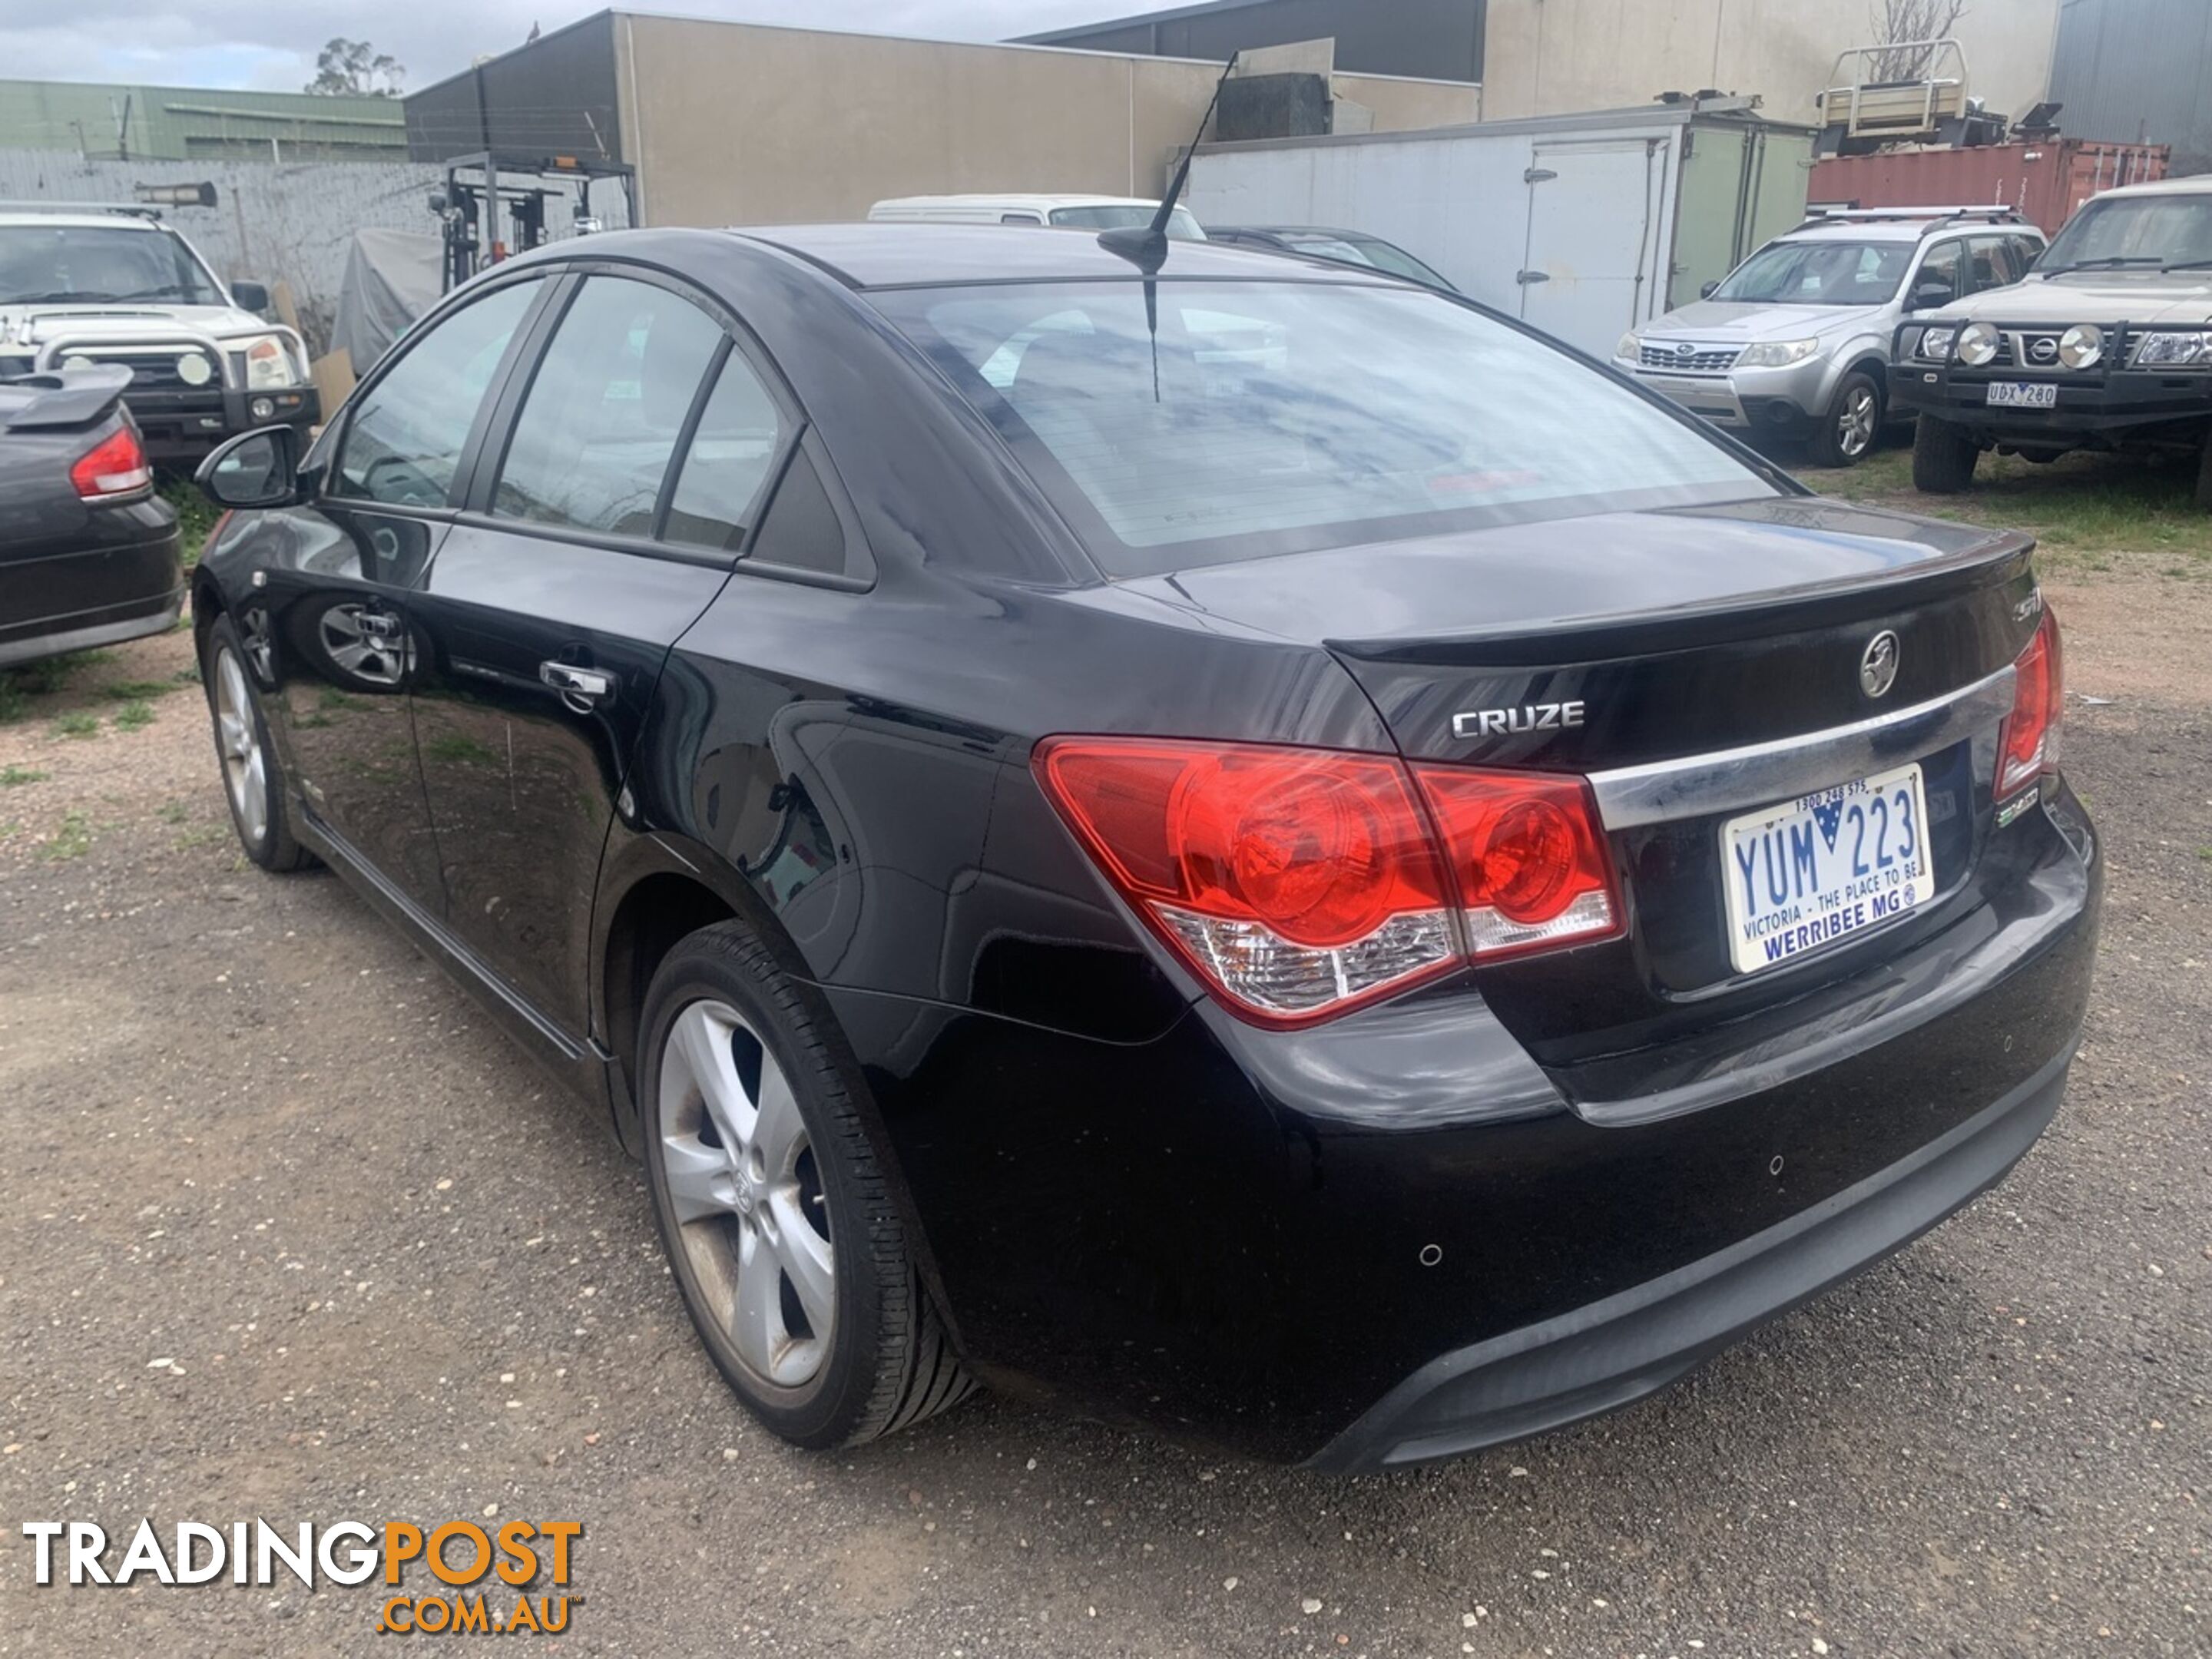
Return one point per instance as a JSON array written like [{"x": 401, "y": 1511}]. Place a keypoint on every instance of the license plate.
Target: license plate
[
  {"x": 1823, "y": 867},
  {"x": 2023, "y": 394}
]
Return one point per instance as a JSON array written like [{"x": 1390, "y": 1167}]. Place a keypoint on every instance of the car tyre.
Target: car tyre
[
  {"x": 2203, "y": 496},
  {"x": 1943, "y": 457},
  {"x": 1852, "y": 425},
  {"x": 773, "y": 1208},
  {"x": 253, "y": 777}
]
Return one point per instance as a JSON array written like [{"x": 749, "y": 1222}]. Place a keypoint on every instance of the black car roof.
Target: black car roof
[{"x": 920, "y": 255}]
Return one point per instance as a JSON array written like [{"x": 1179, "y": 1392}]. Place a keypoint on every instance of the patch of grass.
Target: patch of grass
[
  {"x": 2080, "y": 507},
  {"x": 137, "y": 690},
  {"x": 14, "y": 776},
  {"x": 2205, "y": 853},
  {"x": 457, "y": 749},
  {"x": 77, "y": 723},
  {"x": 132, "y": 715},
  {"x": 173, "y": 811},
  {"x": 332, "y": 699},
  {"x": 195, "y": 516},
  {"x": 72, "y": 841},
  {"x": 188, "y": 675},
  {"x": 10, "y": 830}
]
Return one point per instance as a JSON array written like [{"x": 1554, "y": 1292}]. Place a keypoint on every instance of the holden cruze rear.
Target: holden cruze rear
[{"x": 1505, "y": 892}]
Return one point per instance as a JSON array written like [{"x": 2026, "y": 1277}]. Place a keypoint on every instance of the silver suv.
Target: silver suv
[{"x": 1794, "y": 341}]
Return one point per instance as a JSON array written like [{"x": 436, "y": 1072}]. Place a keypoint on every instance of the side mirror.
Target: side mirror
[
  {"x": 250, "y": 296},
  {"x": 255, "y": 469},
  {"x": 1707, "y": 292},
  {"x": 1932, "y": 296}
]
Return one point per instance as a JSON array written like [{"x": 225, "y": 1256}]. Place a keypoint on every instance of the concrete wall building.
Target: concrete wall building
[
  {"x": 1545, "y": 57},
  {"x": 104, "y": 122},
  {"x": 745, "y": 123}
]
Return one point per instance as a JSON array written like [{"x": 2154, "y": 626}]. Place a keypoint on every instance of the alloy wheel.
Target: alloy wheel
[
  {"x": 244, "y": 770},
  {"x": 1854, "y": 423},
  {"x": 747, "y": 1195}
]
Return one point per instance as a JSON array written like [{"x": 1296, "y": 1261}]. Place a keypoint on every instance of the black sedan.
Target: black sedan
[
  {"x": 88, "y": 554},
  {"x": 1256, "y": 849}
]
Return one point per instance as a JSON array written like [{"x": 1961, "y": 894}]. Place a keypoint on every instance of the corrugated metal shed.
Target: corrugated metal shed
[
  {"x": 2137, "y": 71},
  {"x": 182, "y": 124},
  {"x": 1430, "y": 40}
]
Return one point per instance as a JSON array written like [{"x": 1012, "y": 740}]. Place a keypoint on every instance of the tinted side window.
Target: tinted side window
[
  {"x": 1991, "y": 262},
  {"x": 801, "y": 529},
  {"x": 1940, "y": 269},
  {"x": 728, "y": 462},
  {"x": 606, "y": 407},
  {"x": 402, "y": 444}
]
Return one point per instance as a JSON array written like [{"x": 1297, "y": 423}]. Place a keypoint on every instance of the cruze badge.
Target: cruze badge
[
  {"x": 1878, "y": 667},
  {"x": 1530, "y": 717}
]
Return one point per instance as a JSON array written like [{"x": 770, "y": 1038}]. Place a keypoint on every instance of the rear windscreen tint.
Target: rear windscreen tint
[{"x": 1268, "y": 418}]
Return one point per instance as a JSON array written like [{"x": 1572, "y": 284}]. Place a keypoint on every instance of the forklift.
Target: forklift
[{"x": 480, "y": 187}]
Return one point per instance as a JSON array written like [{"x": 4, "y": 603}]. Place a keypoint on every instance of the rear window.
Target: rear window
[{"x": 1275, "y": 417}]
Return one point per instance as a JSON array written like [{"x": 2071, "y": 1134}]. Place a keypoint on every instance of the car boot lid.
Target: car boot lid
[
  {"x": 78, "y": 397},
  {"x": 1645, "y": 573}
]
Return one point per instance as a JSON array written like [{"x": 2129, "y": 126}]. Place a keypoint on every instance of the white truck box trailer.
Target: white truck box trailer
[{"x": 1585, "y": 225}]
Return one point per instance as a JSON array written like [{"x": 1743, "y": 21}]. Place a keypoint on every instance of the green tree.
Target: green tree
[{"x": 354, "y": 67}]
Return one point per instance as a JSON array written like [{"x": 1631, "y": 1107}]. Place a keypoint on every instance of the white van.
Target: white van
[{"x": 1065, "y": 212}]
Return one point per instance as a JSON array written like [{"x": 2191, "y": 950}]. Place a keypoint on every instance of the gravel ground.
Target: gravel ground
[{"x": 288, "y": 1229}]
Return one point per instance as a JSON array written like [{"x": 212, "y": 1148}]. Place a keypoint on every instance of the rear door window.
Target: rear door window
[
  {"x": 1992, "y": 261},
  {"x": 728, "y": 462},
  {"x": 607, "y": 407},
  {"x": 403, "y": 441}
]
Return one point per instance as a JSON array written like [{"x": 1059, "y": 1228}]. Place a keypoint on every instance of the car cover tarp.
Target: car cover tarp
[{"x": 391, "y": 277}]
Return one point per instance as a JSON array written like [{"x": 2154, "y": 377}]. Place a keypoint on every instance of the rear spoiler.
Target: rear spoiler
[{"x": 75, "y": 396}]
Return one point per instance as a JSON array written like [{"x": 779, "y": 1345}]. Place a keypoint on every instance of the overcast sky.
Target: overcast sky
[{"x": 271, "y": 44}]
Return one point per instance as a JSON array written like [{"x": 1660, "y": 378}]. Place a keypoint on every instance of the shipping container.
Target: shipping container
[
  {"x": 2045, "y": 181},
  {"x": 1585, "y": 225}
]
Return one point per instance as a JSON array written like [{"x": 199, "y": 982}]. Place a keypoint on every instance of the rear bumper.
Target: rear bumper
[
  {"x": 1397, "y": 1237},
  {"x": 119, "y": 578},
  {"x": 1625, "y": 1346}
]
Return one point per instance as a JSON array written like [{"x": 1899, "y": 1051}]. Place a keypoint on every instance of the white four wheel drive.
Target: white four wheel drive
[{"x": 90, "y": 283}]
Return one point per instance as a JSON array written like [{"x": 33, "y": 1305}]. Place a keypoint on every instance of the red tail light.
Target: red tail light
[
  {"x": 2028, "y": 748},
  {"x": 1529, "y": 856},
  {"x": 115, "y": 467},
  {"x": 1299, "y": 883}
]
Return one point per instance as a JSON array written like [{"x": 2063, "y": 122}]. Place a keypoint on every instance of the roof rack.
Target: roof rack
[
  {"x": 1937, "y": 217},
  {"x": 135, "y": 209}
]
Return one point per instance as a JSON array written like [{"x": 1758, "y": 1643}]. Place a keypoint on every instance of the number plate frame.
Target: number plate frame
[
  {"x": 2022, "y": 394},
  {"x": 1828, "y": 899}
]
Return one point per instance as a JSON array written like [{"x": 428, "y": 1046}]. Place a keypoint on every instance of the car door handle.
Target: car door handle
[{"x": 581, "y": 688}]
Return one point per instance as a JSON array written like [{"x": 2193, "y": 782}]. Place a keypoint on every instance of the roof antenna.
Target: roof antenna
[{"x": 1147, "y": 248}]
